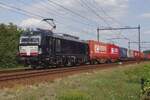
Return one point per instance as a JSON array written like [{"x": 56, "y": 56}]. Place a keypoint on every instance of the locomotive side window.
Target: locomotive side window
[
  {"x": 58, "y": 45},
  {"x": 50, "y": 45}
]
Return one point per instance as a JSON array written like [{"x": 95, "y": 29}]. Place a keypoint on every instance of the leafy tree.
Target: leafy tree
[{"x": 9, "y": 38}]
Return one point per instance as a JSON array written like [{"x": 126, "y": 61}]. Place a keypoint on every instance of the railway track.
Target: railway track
[
  {"x": 12, "y": 70},
  {"x": 35, "y": 73}
]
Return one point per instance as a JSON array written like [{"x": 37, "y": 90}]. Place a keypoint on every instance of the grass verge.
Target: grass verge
[{"x": 121, "y": 83}]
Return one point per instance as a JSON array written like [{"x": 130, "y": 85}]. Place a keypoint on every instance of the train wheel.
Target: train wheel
[
  {"x": 93, "y": 62},
  {"x": 68, "y": 63},
  {"x": 26, "y": 65},
  {"x": 103, "y": 61},
  {"x": 33, "y": 66},
  {"x": 45, "y": 65}
]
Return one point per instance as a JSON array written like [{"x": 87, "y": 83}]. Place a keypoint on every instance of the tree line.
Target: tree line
[{"x": 9, "y": 39}]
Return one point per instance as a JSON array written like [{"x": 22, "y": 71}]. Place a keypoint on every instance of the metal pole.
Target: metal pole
[
  {"x": 139, "y": 38},
  {"x": 129, "y": 45},
  {"x": 98, "y": 34},
  {"x": 139, "y": 41}
]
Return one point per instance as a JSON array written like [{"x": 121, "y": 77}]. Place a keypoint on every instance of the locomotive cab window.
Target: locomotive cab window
[
  {"x": 34, "y": 40},
  {"x": 30, "y": 39}
]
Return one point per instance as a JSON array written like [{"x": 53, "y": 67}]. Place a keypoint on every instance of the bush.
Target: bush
[{"x": 9, "y": 38}]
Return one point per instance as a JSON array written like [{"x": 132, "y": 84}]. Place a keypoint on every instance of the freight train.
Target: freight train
[{"x": 45, "y": 48}]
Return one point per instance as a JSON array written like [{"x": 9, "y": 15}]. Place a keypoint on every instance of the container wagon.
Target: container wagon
[
  {"x": 123, "y": 54},
  {"x": 136, "y": 54},
  {"x": 130, "y": 54},
  {"x": 98, "y": 52},
  {"x": 113, "y": 52}
]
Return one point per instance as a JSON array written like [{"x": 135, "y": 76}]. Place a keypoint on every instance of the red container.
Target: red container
[
  {"x": 97, "y": 50},
  {"x": 103, "y": 52},
  {"x": 136, "y": 54},
  {"x": 130, "y": 54},
  {"x": 142, "y": 55},
  {"x": 113, "y": 52},
  {"x": 148, "y": 56}
]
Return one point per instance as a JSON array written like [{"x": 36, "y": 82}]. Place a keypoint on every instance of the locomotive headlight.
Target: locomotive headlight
[
  {"x": 20, "y": 47},
  {"x": 34, "y": 48}
]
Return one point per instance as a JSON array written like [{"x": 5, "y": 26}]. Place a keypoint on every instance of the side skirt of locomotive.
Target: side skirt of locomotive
[
  {"x": 66, "y": 60},
  {"x": 57, "y": 61}
]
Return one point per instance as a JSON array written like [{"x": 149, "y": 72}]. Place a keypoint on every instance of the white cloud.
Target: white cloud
[
  {"x": 33, "y": 23},
  {"x": 115, "y": 8},
  {"x": 117, "y": 3},
  {"x": 146, "y": 32},
  {"x": 145, "y": 15}
]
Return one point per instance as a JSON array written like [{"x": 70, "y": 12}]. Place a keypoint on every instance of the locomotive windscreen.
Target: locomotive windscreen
[{"x": 30, "y": 39}]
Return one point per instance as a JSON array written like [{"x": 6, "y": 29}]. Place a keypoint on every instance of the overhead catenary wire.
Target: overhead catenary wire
[
  {"x": 2, "y": 6},
  {"x": 83, "y": 3},
  {"x": 99, "y": 8},
  {"x": 27, "y": 13},
  {"x": 94, "y": 12},
  {"x": 44, "y": 4},
  {"x": 20, "y": 10},
  {"x": 16, "y": 11},
  {"x": 71, "y": 11},
  {"x": 110, "y": 17},
  {"x": 57, "y": 13}
]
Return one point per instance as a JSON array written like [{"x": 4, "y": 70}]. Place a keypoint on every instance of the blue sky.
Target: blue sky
[{"x": 126, "y": 12}]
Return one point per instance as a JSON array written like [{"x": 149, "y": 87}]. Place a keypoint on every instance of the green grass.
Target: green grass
[
  {"x": 16, "y": 68},
  {"x": 121, "y": 83},
  {"x": 11, "y": 67}
]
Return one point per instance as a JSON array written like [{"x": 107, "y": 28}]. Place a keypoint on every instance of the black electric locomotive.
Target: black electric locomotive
[{"x": 45, "y": 48}]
